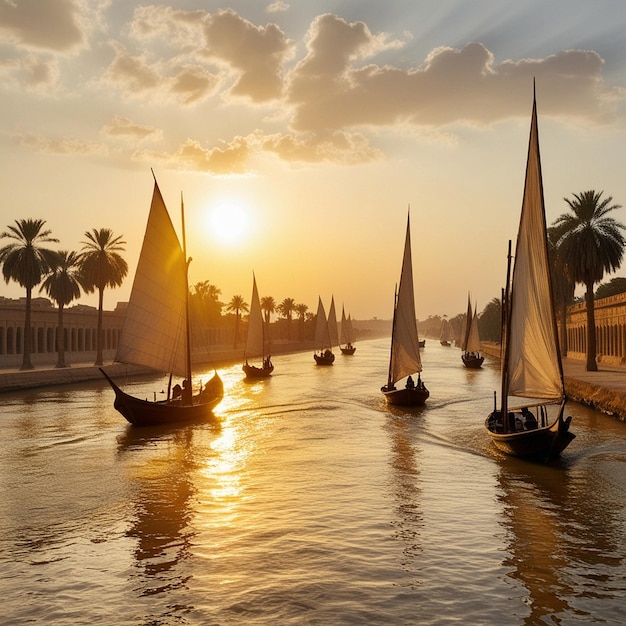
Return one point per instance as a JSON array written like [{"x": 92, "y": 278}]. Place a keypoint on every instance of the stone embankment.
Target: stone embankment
[{"x": 603, "y": 390}]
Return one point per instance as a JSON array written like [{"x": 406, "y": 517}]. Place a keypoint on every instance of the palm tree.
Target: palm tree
[
  {"x": 25, "y": 262},
  {"x": 301, "y": 310},
  {"x": 102, "y": 266},
  {"x": 236, "y": 305},
  {"x": 62, "y": 284},
  {"x": 286, "y": 309},
  {"x": 268, "y": 306},
  {"x": 590, "y": 245}
]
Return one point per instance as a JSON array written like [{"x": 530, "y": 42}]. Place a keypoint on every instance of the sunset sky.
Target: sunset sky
[{"x": 300, "y": 132}]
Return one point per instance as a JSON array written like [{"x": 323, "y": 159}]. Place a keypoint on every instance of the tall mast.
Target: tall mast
[{"x": 187, "y": 332}]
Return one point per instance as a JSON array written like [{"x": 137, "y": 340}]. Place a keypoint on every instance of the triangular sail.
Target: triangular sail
[
  {"x": 322, "y": 337},
  {"x": 332, "y": 325},
  {"x": 154, "y": 328},
  {"x": 405, "y": 354},
  {"x": 472, "y": 337},
  {"x": 533, "y": 365},
  {"x": 347, "y": 334},
  {"x": 255, "y": 343},
  {"x": 444, "y": 333}
]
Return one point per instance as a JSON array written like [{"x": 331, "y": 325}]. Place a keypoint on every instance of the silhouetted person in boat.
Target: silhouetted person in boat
[
  {"x": 187, "y": 393},
  {"x": 530, "y": 421},
  {"x": 177, "y": 391},
  {"x": 409, "y": 383}
]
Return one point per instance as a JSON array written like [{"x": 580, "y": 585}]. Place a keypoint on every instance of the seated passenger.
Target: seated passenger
[{"x": 530, "y": 421}]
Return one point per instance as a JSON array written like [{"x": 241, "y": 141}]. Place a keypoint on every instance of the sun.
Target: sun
[{"x": 229, "y": 222}]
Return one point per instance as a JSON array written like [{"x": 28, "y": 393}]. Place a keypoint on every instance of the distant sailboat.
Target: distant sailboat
[
  {"x": 257, "y": 343},
  {"x": 347, "y": 334},
  {"x": 531, "y": 359},
  {"x": 470, "y": 343},
  {"x": 444, "y": 335},
  {"x": 322, "y": 340},
  {"x": 405, "y": 359},
  {"x": 156, "y": 327}
]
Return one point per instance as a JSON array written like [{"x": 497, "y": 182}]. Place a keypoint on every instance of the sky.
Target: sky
[{"x": 301, "y": 133}]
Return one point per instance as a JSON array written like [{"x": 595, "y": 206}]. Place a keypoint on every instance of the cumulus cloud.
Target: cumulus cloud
[
  {"x": 228, "y": 158},
  {"x": 54, "y": 25},
  {"x": 277, "y": 7},
  {"x": 332, "y": 87},
  {"x": 122, "y": 128},
  {"x": 335, "y": 147}
]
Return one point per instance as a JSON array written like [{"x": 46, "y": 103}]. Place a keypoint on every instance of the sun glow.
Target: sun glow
[{"x": 229, "y": 222}]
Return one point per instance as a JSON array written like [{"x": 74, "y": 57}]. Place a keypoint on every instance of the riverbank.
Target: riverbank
[
  {"x": 604, "y": 390},
  {"x": 48, "y": 375}
]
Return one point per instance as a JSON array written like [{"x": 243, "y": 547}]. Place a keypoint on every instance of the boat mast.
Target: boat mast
[
  {"x": 506, "y": 323},
  {"x": 393, "y": 336},
  {"x": 187, "y": 332}
]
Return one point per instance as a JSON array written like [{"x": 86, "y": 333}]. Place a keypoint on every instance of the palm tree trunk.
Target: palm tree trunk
[
  {"x": 26, "y": 362},
  {"x": 99, "y": 329},
  {"x": 60, "y": 339},
  {"x": 563, "y": 342},
  {"x": 592, "y": 366}
]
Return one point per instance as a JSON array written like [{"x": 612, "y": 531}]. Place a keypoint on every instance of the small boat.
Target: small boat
[
  {"x": 405, "y": 360},
  {"x": 323, "y": 347},
  {"x": 531, "y": 359},
  {"x": 422, "y": 343},
  {"x": 156, "y": 328},
  {"x": 257, "y": 342},
  {"x": 347, "y": 334},
  {"x": 470, "y": 343},
  {"x": 444, "y": 334}
]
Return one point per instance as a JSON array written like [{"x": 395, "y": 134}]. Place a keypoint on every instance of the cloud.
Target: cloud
[
  {"x": 256, "y": 53},
  {"x": 336, "y": 147},
  {"x": 123, "y": 128},
  {"x": 184, "y": 84},
  {"x": 54, "y": 25},
  {"x": 33, "y": 72},
  {"x": 229, "y": 158},
  {"x": 48, "y": 145},
  {"x": 277, "y": 7},
  {"x": 332, "y": 87}
]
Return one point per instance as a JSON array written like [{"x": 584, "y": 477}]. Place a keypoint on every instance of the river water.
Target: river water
[{"x": 311, "y": 502}]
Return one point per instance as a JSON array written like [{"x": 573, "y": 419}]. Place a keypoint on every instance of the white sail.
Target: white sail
[
  {"x": 347, "y": 334},
  {"x": 333, "y": 331},
  {"x": 255, "y": 343},
  {"x": 322, "y": 336},
  {"x": 444, "y": 334},
  {"x": 154, "y": 328},
  {"x": 533, "y": 363},
  {"x": 471, "y": 336},
  {"x": 405, "y": 354}
]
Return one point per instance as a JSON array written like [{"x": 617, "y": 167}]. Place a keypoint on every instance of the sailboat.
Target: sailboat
[
  {"x": 531, "y": 359},
  {"x": 347, "y": 334},
  {"x": 323, "y": 344},
  {"x": 470, "y": 343},
  {"x": 257, "y": 343},
  {"x": 405, "y": 360},
  {"x": 156, "y": 328},
  {"x": 444, "y": 334}
]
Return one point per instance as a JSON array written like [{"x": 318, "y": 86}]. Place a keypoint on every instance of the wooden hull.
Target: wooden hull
[
  {"x": 445, "y": 343},
  {"x": 253, "y": 372},
  {"x": 539, "y": 444},
  {"x": 348, "y": 349},
  {"x": 324, "y": 359},
  {"x": 145, "y": 413},
  {"x": 406, "y": 397},
  {"x": 473, "y": 362}
]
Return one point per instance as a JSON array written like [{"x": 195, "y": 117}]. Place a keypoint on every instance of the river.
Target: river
[{"x": 310, "y": 502}]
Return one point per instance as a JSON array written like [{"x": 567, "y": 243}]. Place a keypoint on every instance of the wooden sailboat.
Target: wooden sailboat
[
  {"x": 470, "y": 343},
  {"x": 156, "y": 328},
  {"x": 531, "y": 359},
  {"x": 257, "y": 342},
  {"x": 405, "y": 360},
  {"x": 444, "y": 334},
  {"x": 347, "y": 334},
  {"x": 323, "y": 347}
]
